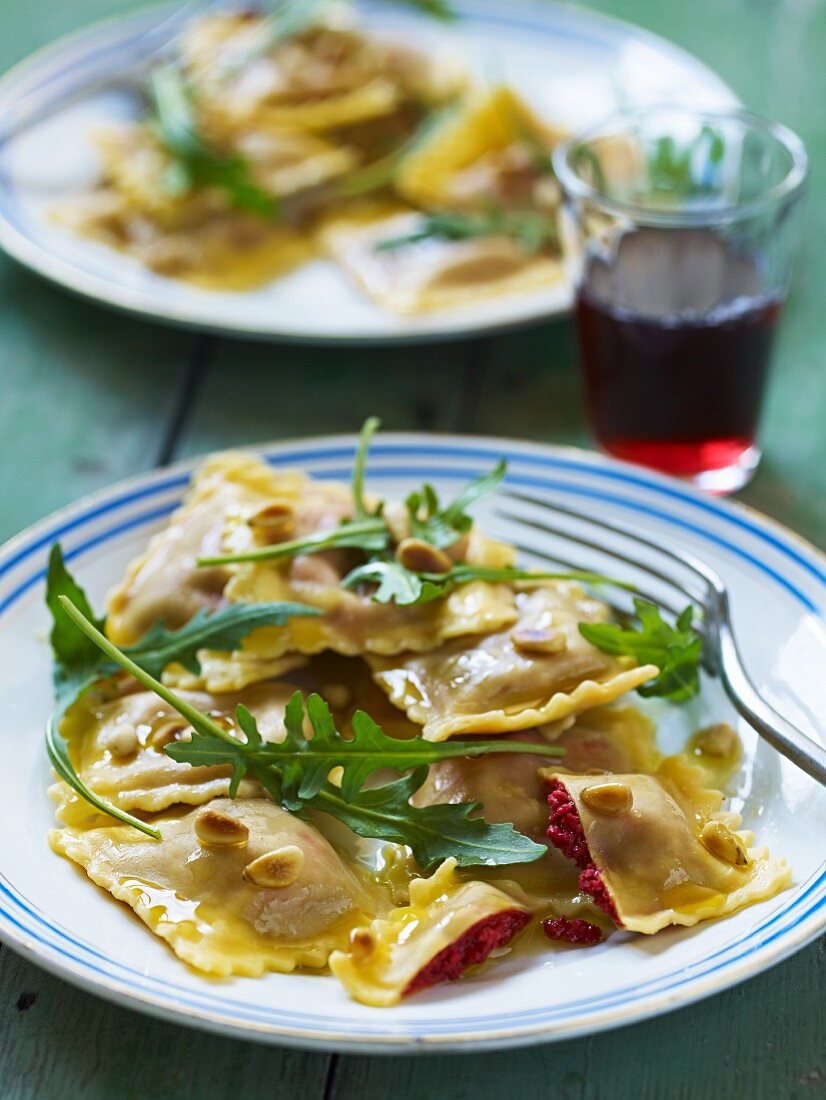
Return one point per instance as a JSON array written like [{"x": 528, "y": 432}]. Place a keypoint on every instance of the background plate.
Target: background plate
[
  {"x": 49, "y": 911},
  {"x": 571, "y": 64}
]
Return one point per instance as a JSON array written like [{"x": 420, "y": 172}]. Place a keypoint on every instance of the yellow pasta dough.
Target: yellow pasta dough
[{"x": 203, "y": 899}]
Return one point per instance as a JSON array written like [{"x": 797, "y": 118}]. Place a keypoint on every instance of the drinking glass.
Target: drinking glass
[{"x": 680, "y": 230}]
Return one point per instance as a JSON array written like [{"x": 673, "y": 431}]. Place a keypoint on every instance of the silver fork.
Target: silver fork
[{"x": 667, "y": 571}]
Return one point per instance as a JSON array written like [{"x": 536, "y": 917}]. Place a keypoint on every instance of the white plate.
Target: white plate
[
  {"x": 571, "y": 64},
  {"x": 50, "y": 913}
]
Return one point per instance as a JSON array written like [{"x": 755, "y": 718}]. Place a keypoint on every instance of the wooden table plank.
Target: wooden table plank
[
  {"x": 88, "y": 396},
  {"x": 57, "y": 1043},
  {"x": 259, "y": 392}
]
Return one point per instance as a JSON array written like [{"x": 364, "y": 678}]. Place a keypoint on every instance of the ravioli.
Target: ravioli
[
  {"x": 539, "y": 670},
  {"x": 165, "y": 583},
  {"x": 433, "y": 273},
  {"x": 448, "y": 926},
  {"x": 117, "y": 745},
  {"x": 324, "y": 77},
  {"x": 236, "y": 503},
  {"x": 486, "y": 152},
  {"x": 275, "y": 897},
  {"x": 653, "y": 851},
  {"x": 195, "y": 234}
]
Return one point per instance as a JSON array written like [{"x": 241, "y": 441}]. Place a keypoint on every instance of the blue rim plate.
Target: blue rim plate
[
  {"x": 49, "y": 913},
  {"x": 572, "y": 65}
]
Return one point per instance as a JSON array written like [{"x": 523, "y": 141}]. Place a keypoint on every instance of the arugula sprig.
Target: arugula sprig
[
  {"x": 80, "y": 664},
  {"x": 676, "y": 650},
  {"x": 195, "y": 161},
  {"x": 295, "y": 772},
  {"x": 367, "y": 531},
  {"x": 402, "y": 586},
  {"x": 532, "y": 230},
  {"x": 440, "y": 526}
]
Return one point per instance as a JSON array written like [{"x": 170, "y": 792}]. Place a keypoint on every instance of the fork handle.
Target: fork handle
[{"x": 795, "y": 745}]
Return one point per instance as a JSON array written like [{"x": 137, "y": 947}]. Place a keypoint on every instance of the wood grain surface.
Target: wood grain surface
[{"x": 89, "y": 396}]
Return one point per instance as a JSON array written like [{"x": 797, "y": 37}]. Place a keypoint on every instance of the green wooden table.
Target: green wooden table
[{"x": 89, "y": 397}]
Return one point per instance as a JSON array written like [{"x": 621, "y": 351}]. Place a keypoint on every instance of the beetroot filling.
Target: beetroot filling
[
  {"x": 566, "y": 833},
  {"x": 471, "y": 947},
  {"x": 575, "y": 930}
]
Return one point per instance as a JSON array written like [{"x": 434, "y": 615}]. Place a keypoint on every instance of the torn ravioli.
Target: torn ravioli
[
  {"x": 655, "y": 850},
  {"x": 432, "y": 273},
  {"x": 508, "y": 785},
  {"x": 511, "y": 789},
  {"x": 448, "y": 926},
  {"x": 117, "y": 746},
  {"x": 538, "y": 671},
  {"x": 264, "y": 892}
]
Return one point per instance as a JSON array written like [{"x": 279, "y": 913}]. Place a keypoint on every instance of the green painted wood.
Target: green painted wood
[
  {"x": 255, "y": 392},
  {"x": 57, "y": 1043},
  {"x": 90, "y": 396}
]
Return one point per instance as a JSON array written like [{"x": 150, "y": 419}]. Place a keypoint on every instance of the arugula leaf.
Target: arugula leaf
[
  {"x": 295, "y": 772},
  {"x": 676, "y": 650},
  {"x": 530, "y": 229},
  {"x": 402, "y": 586},
  {"x": 441, "y": 527},
  {"x": 433, "y": 833},
  {"x": 371, "y": 534},
  {"x": 223, "y": 629},
  {"x": 305, "y": 763},
  {"x": 76, "y": 658},
  {"x": 195, "y": 161},
  {"x": 396, "y": 584}
]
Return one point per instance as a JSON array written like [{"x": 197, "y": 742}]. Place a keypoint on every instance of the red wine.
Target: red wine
[{"x": 675, "y": 337}]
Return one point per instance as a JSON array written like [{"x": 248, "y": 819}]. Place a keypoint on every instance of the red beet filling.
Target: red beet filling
[
  {"x": 575, "y": 930},
  {"x": 471, "y": 947},
  {"x": 566, "y": 833}
]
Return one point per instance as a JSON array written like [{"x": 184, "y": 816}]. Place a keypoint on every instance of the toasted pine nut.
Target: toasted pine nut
[
  {"x": 219, "y": 830},
  {"x": 718, "y": 839},
  {"x": 276, "y": 869},
  {"x": 610, "y": 798},
  {"x": 539, "y": 641},
  {"x": 420, "y": 557},
  {"x": 122, "y": 740}
]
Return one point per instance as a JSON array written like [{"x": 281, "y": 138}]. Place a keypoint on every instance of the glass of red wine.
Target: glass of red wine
[{"x": 680, "y": 230}]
